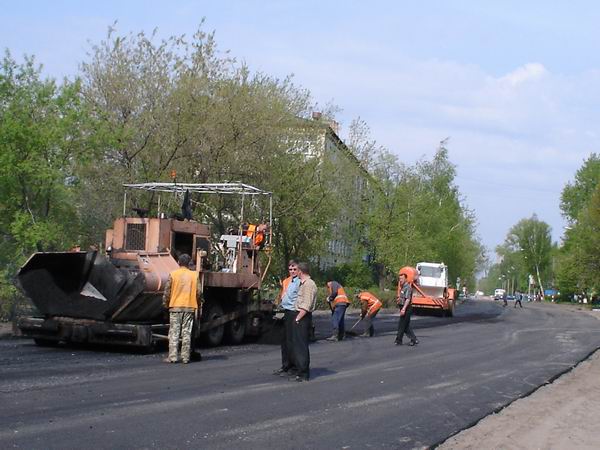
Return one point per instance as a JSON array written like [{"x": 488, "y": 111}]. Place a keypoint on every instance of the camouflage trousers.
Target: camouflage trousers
[{"x": 180, "y": 325}]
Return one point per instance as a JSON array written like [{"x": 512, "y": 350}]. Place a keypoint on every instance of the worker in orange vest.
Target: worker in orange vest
[
  {"x": 256, "y": 234},
  {"x": 183, "y": 299},
  {"x": 338, "y": 302},
  {"x": 370, "y": 306}
]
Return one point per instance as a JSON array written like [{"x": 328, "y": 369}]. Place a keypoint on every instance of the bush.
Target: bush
[
  {"x": 356, "y": 273},
  {"x": 387, "y": 297}
]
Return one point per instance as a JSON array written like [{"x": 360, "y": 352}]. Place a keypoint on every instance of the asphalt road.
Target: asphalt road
[{"x": 364, "y": 393}]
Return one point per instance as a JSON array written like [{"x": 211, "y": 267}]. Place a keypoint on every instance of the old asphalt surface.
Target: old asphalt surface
[{"x": 364, "y": 393}]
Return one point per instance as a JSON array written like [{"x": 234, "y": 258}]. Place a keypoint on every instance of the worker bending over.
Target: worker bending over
[
  {"x": 338, "y": 302},
  {"x": 370, "y": 306}
]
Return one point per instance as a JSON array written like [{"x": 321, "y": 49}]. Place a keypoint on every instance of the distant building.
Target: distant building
[{"x": 345, "y": 231}]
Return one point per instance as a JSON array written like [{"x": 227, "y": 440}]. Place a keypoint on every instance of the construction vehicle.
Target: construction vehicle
[
  {"x": 431, "y": 291},
  {"x": 115, "y": 297},
  {"x": 499, "y": 294}
]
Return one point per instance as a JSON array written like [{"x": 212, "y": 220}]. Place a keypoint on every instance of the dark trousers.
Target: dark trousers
[
  {"x": 338, "y": 319},
  {"x": 519, "y": 302},
  {"x": 404, "y": 326},
  {"x": 369, "y": 328},
  {"x": 300, "y": 348},
  {"x": 287, "y": 341}
]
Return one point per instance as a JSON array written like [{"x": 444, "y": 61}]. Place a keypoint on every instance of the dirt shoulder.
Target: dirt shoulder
[
  {"x": 558, "y": 415},
  {"x": 6, "y": 330}
]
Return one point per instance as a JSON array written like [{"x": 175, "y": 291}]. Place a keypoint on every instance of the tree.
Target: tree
[
  {"x": 575, "y": 196},
  {"x": 579, "y": 259},
  {"x": 419, "y": 217},
  {"x": 43, "y": 141},
  {"x": 179, "y": 104},
  {"x": 528, "y": 245}
]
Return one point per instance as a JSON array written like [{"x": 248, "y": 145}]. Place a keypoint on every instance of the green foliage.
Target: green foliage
[
  {"x": 579, "y": 259},
  {"x": 420, "y": 217},
  {"x": 527, "y": 250},
  {"x": 576, "y": 196},
  {"x": 42, "y": 142},
  {"x": 146, "y": 107},
  {"x": 180, "y": 105},
  {"x": 356, "y": 273}
]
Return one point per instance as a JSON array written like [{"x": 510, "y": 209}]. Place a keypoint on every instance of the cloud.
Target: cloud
[
  {"x": 529, "y": 72},
  {"x": 516, "y": 138}
]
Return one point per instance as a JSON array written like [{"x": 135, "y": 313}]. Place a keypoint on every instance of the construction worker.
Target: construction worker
[
  {"x": 370, "y": 306},
  {"x": 183, "y": 299},
  {"x": 287, "y": 299},
  {"x": 338, "y": 302},
  {"x": 256, "y": 233},
  {"x": 518, "y": 298},
  {"x": 404, "y": 301}
]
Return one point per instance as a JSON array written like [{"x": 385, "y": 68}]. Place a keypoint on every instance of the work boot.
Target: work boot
[{"x": 334, "y": 337}]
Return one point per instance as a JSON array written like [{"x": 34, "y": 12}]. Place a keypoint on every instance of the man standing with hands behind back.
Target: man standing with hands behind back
[
  {"x": 404, "y": 301},
  {"x": 305, "y": 305},
  {"x": 287, "y": 300}
]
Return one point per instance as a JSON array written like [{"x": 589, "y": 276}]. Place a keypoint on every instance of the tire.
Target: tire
[
  {"x": 214, "y": 336},
  {"x": 235, "y": 330},
  {"x": 40, "y": 342}
]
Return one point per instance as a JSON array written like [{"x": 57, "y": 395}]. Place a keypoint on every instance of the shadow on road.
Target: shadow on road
[{"x": 316, "y": 372}]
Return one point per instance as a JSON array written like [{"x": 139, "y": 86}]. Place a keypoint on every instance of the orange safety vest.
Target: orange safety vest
[
  {"x": 341, "y": 296},
  {"x": 184, "y": 285},
  {"x": 373, "y": 303},
  {"x": 257, "y": 236},
  {"x": 284, "y": 285},
  {"x": 250, "y": 231}
]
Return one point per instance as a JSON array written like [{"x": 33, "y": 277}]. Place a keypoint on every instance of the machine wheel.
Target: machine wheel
[
  {"x": 45, "y": 342},
  {"x": 235, "y": 330},
  {"x": 214, "y": 336}
]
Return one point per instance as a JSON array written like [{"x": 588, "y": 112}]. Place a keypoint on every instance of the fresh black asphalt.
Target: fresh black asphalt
[{"x": 364, "y": 392}]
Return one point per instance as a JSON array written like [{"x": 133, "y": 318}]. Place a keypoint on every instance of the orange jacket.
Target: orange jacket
[
  {"x": 369, "y": 303},
  {"x": 184, "y": 285},
  {"x": 337, "y": 294}
]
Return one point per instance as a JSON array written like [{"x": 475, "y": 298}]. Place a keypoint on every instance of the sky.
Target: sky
[{"x": 514, "y": 85}]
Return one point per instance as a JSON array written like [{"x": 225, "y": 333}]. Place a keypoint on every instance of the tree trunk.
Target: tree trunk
[{"x": 537, "y": 270}]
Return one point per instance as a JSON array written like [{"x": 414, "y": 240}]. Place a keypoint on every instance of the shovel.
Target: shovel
[{"x": 353, "y": 333}]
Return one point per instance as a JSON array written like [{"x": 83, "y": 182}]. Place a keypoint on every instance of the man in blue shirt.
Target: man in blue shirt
[{"x": 288, "y": 297}]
